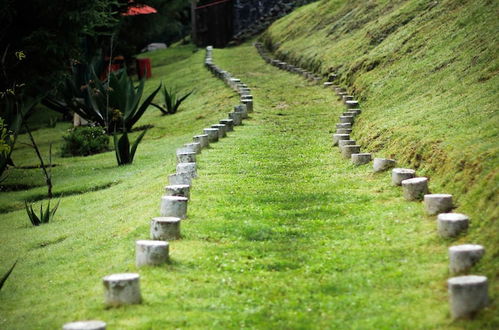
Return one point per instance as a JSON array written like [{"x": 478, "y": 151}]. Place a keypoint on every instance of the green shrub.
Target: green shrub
[{"x": 84, "y": 141}]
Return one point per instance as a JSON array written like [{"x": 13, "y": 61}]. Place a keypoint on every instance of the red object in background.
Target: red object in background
[
  {"x": 144, "y": 68},
  {"x": 138, "y": 9}
]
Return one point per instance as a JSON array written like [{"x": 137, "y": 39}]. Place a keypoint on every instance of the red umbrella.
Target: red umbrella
[{"x": 138, "y": 9}]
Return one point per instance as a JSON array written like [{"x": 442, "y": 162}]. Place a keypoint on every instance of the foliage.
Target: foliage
[
  {"x": 172, "y": 101},
  {"x": 85, "y": 141},
  {"x": 45, "y": 215},
  {"x": 4, "y": 278},
  {"x": 125, "y": 155}
]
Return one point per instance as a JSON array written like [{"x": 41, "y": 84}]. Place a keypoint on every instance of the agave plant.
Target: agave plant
[
  {"x": 45, "y": 215},
  {"x": 172, "y": 101},
  {"x": 6, "y": 275},
  {"x": 125, "y": 154}
]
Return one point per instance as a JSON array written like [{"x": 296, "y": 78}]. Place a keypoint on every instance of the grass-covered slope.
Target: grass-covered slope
[{"x": 426, "y": 73}]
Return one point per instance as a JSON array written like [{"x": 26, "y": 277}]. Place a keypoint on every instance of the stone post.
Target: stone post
[
  {"x": 463, "y": 257},
  {"x": 467, "y": 295},
  {"x": 415, "y": 188},
  {"x": 122, "y": 289},
  {"x": 437, "y": 203},
  {"x": 150, "y": 253},
  {"x": 173, "y": 206},
  {"x": 452, "y": 224},
  {"x": 401, "y": 174},
  {"x": 165, "y": 228}
]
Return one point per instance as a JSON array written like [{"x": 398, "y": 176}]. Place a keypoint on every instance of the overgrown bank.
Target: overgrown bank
[{"x": 426, "y": 73}]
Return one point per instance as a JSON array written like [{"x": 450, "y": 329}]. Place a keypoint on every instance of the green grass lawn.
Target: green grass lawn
[{"x": 281, "y": 231}]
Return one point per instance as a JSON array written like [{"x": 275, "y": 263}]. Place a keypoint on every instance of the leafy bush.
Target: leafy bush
[
  {"x": 44, "y": 217},
  {"x": 85, "y": 141},
  {"x": 172, "y": 101},
  {"x": 124, "y": 155}
]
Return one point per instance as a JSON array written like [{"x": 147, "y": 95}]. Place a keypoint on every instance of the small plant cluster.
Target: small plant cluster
[
  {"x": 172, "y": 100},
  {"x": 85, "y": 141},
  {"x": 45, "y": 215}
]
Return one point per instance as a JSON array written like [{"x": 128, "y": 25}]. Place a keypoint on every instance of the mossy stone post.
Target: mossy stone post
[
  {"x": 150, "y": 253},
  {"x": 165, "y": 228},
  {"x": 347, "y": 119},
  {"x": 182, "y": 190},
  {"x": 328, "y": 84},
  {"x": 186, "y": 157},
  {"x": 180, "y": 179},
  {"x": 229, "y": 124},
  {"x": 361, "y": 159},
  {"x": 467, "y": 295},
  {"x": 122, "y": 289},
  {"x": 222, "y": 130},
  {"x": 437, "y": 203},
  {"x": 401, "y": 174},
  {"x": 463, "y": 257},
  {"x": 188, "y": 169},
  {"x": 344, "y": 130},
  {"x": 348, "y": 150},
  {"x": 343, "y": 125},
  {"x": 173, "y": 206},
  {"x": 202, "y": 139},
  {"x": 193, "y": 147},
  {"x": 212, "y": 134},
  {"x": 241, "y": 108},
  {"x": 414, "y": 189},
  {"x": 352, "y": 104},
  {"x": 346, "y": 98},
  {"x": 383, "y": 164},
  {"x": 353, "y": 112},
  {"x": 236, "y": 117},
  {"x": 248, "y": 103},
  {"x": 85, "y": 325},
  {"x": 452, "y": 224},
  {"x": 338, "y": 137},
  {"x": 342, "y": 143}
]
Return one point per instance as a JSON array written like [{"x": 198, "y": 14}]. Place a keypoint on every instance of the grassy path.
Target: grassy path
[{"x": 282, "y": 232}]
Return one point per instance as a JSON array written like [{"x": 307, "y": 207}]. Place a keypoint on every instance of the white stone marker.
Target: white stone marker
[
  {"x": 165, "y": 228},
  {"x": 347, "y": 98},
  {"x": 353, "y": 112},
  {"x": 182, "y": 190},
  {"x": 352, "y": 104},
  {"x": 437, "y": 203},
  {"x": 346, "y": 119},
  {"x": 186, "y": 157},
  {"x": 463, "y": 257},
  {"x": 229, "y": 124},
  {"x": 241, "y": 108},
  {"x": 202, "y": 139},
  {"x": 467, "y": 295},
  {"x": 180, "y": 179},
  {"x": 248, "y": 97},
  {"x": 188, "y": 169},
  {"x": 150, "y": 253},
  {"x": 383, "y": 164},
  {"x": 222, "y": 130},
  {"x": 401, "y": 174},
  {"x": 328, "y": 84},
  {"x": 452, "y": 224},
  {"x": 415, "y": 188},
  {"x": 212, "y": 134},
  {"x": 342, "y": 143},
  {"x": 343, "y": 131},
  {"x": 236, "y": 117},
  {"x": 193, "y": 147},
  {"x": 348, "y": 150},
  {"x": 361, "y": 159},
  {"x": 122, "y": 289},
  {"x": 343, "y": 125},
  {"x": 338, "y": 137},
  {"x": 85, "y": 325},
  {"x": 173, "y": 206}
]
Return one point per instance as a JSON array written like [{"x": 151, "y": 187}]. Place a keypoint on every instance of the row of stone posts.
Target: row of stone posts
[
  {"x": 124, "y": 288},
  {"x": 468, "y": 293}
]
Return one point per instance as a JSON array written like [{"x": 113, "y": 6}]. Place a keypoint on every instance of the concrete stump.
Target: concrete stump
[
  {"x": 248, "y": 103},
  {"x": 346, "y": 119},
  {"x": 463, "y": 257},
  {"x": 348, "y": 150},
  {"x": 361, "y": 159},
  {"x": 186, "y": 157},
  {"x": 212, "y": 134},
  {"x": 202, "y": 139},
  {"x": 182, "y": 190},
  {"x": 236, "y": 117},
  {"x": 150, "y": 253},
  {"x": 173, "y": 206},
  {"x": 340, "y": 95},
  {"x": 346, "y": 98},
  {"x": 437, "y": 203},
  {"x": 342, "y": 143},
  {"x": 354, "y": 112},
  {"x": 229, "y": 124},
  {"x": 328, "y": 84},
  {"x": 352, "y": 104},
  {"x": 193, "y": 147},
  {"x": 343, "y": 131},
  {"x": 383, "y": 164},
  {"x": 414, "y": 189},
  {"x": 401, "y": 174},
  {"x": 85, "y": 325},
  {"x": 248, "y": 97},
  {"x": 338, "y": 137},
  {"x": 241, "y": 108},
  {"x": 343, "y": 125},
  {"x": 452, "y": 224},
  {"x": 222, "y": 130},
  {"x": 122, "y": 289},
  {"x": 180, "y": 179},
  {"x": 189, "y": 169},
  {"x": 467, "y": 295},
  {"x": 165, "y": 228}
]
